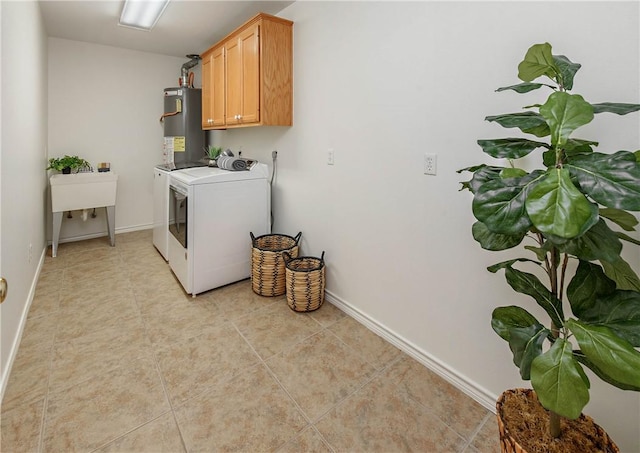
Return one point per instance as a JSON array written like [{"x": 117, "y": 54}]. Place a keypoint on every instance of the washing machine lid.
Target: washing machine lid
[{"x": 209, "y": 175}]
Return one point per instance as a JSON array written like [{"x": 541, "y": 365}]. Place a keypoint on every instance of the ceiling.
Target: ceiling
[{"x": 185, "y": 27}]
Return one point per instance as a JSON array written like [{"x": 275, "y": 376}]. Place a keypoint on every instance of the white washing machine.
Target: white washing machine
[{"x": 211, "y": 213}]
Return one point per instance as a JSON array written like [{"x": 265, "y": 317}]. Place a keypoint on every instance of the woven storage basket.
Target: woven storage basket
[
  {"x": 267, "y": 264},
  {"x": 305, "y": 282}
]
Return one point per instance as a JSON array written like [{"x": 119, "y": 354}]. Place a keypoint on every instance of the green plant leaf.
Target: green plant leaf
[
  {"x": 481, "y": 175},
  {"x": 505, "y": 318},
  {"x": 513, "y": 173},
  {"x": 559, "y": 381},
  {"x": 529, "y": 122},
  {"x": 564, "y": 113},
  {"x": 608, "y": 351},
  {"x": 494, "y": 241},
  {"x": 526, "y": 345},
  {"x": 598, "y": 243},
  {"x": 580, "y": 357},
  {"x": 556, "y": 207},
  {"x": 504, "y": 264},
  {"x": 537, "y": 61},
  {"x": 529, "y": 284},
  {"x": 612, "y": 180},
  {"x": 539, "y": 252},
  {"x": 509, "y": 148},
  {"x": 472, "y": 169},
  {"x": 579, "y": 146},
  {"x": 588, "y": 283},
  {"x": 549, "y": 158},
  {"x": 617, "y": 108},
  {"x": 623, "y": 219},
  {"x": 620, "y": 272},
  {"x": 500, "y": 204},
  {"x": 525, "y": 87},
  {"x": 567, "y": 70},
  {"x": 619, "y": 311},
  {"x": 523, "y": 332},
  {"x": 573, "y": 147},
  {"x": 627, "y": 238}
]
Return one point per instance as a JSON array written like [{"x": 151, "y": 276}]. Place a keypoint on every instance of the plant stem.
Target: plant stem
[
  {"x": 563, "y": 272},
  {"x": 554, "y": 425},
  {"x": 553, "y": 280},
  {"x": 554, "y": 419}
]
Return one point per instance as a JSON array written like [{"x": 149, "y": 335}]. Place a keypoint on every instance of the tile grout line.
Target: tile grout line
[
  {"x": 478, "y": 429},
  {"x": 45, "y": 405},
  {"x": 376, "y": 372},
  {"x": 48, "y": 392},
  {"x": 156, "y": 362},
  {"x": 282, "y": 387}
]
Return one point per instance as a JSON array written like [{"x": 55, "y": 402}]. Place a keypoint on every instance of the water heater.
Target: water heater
[{"x": 182, "y": 119}]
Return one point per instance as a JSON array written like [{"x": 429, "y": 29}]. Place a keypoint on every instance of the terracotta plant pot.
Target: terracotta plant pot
[{"x": 523, "y": 425}]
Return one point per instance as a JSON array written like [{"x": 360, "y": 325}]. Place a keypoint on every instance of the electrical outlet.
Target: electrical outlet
[
  {"x": 430, "y": 164},
  {"x": 274, "y": 155},
  {"x": 330, "y": 156}
]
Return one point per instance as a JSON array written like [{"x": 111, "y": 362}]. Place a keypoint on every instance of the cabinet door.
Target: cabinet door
[
  {"x": 207, "y": 85},
  {"x": 242, "y": 81},
  {"x": 218, "y": 98},
  {"x": 250, "y": 75}
]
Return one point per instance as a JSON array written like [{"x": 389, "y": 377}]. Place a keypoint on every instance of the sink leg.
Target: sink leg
[
  {"x": 111, "y": 217},
  {"x": 57, "y": 222}
]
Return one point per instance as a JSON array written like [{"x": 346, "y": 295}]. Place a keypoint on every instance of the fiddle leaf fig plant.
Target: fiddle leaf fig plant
[{"x": 570, "y": 216}]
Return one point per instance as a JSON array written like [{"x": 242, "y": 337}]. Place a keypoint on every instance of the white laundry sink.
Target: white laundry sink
[{"x": 82, "y": 191}]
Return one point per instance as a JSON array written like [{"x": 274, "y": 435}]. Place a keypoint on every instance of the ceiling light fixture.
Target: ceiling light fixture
[{"x": 142, "y": 14}]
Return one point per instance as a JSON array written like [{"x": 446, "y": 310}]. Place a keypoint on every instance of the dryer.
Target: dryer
[{"x": 211, "y": 213}]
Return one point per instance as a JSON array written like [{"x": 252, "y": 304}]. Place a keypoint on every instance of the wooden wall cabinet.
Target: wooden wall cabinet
[
  {"x": 247, "y": 78},
  {"x": 213, "y": 88}
]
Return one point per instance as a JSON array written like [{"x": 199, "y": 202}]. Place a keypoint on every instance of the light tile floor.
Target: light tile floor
[{"x": 115, "y": 357}]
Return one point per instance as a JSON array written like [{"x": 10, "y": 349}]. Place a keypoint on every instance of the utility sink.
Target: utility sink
[{"x": 82, "y": 191}]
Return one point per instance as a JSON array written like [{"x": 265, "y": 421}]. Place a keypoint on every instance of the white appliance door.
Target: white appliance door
[
  {"x": 223, "y": 216},
  {"x": 161, "y": 212},
  {"x": 180, "y": 234}
]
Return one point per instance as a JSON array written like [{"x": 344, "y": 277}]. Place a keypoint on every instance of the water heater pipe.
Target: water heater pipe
[{"x": 184, "y": 78}]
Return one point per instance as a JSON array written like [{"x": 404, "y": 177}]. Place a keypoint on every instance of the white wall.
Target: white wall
[
  {"x": 104, "y": 106},
  {"x": 23, "y": 183},
  {"x": 384, "y": 82}
]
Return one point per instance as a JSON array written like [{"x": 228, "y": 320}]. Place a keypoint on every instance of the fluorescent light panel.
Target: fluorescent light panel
[{"x": 142, "y": 14}]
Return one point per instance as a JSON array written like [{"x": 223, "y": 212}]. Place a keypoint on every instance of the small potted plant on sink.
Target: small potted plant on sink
[
  {"x": 67, "y": 163},
  {"x": 572, "y": 215},
  {"x": 212, "y": 153}
]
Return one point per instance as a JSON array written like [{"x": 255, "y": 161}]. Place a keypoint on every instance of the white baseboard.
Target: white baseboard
[
  {"x": 481, "y": 395},
  {"x": 4, "y": 379}
]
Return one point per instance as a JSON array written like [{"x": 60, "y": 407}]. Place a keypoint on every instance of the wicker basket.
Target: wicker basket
[
  {"x": 305, "y": 282},
  {"x": 267, "y": 264}
]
